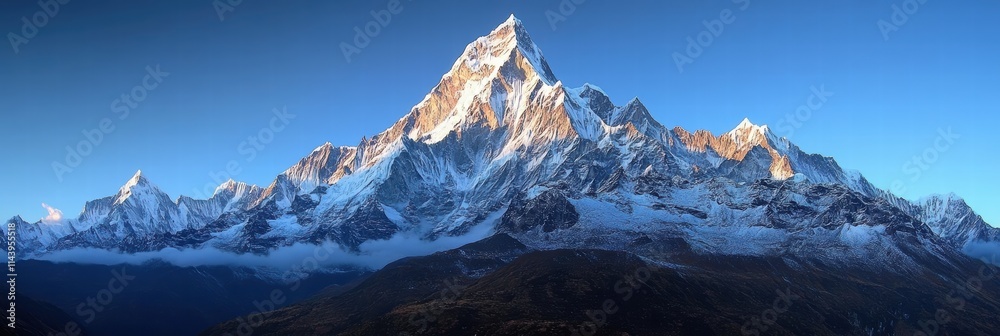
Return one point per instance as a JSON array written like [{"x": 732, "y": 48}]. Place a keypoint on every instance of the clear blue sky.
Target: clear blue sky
[{"x": 890, "y": 97}]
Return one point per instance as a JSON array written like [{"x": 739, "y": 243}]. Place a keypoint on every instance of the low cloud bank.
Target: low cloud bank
[
  {"x": 985, "y": 251},
  {"x": 373, "y": 254}
]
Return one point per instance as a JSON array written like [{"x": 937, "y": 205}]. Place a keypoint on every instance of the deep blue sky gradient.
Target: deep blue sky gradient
[{"x": 890, "y": 97}]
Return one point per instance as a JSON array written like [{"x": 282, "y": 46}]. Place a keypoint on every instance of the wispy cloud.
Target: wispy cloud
[
  {"x": 985, "y": 251},
  {"x": 55, "y": 215}
]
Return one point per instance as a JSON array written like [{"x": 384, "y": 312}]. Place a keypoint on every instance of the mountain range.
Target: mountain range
[
  {"x": 500, "y": 129},
  {"x": 564, "y": 175}
]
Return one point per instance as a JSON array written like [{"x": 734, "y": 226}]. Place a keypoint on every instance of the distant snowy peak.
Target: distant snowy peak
[
  {"x": 951, "y": 218},
  {"x": 938, "y": 204},
  {"x": 595, "y": 99},
  {"x": 96, "y": 210},
  {"x": 236, "y": 196},
  {"x": 324, "y": 165},
  {"x": 750, "y": 132},
  {"x": 235, "y": 188},
  {"x": 138, "y": 185},
  {"x": 738, "y": 143},
  {"x": 633, "y": 113},
  {"x": 16, "y": 220}
]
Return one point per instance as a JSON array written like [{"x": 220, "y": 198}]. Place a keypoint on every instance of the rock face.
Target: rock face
[
  {"x": 500, "y": 141},
  {"x": 549, "y": 210}
]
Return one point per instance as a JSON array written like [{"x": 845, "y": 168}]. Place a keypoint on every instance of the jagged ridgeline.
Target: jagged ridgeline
[{"x": 501, "y": 142}]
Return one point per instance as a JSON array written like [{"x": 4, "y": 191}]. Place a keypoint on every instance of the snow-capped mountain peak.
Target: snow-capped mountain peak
[
  {"x": 228, "y": 185},
  {"x": 324, "y": 165},
  {"x": 135, "y": 179},
  {"x": 511, "y": 20},
  {"x": 501, "y": 81},
  {"x": 235, "y": 187},
  {"x": 748, "y": 128},
  {"x": 496, "y": 127},
  {"x": 588, "y": 87},
  {"x": 941, "y": 198},
  {"x": 952, "y": 218},
  {"x": 138, "y": 184},
  {"x": 506, "y": 37}
]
